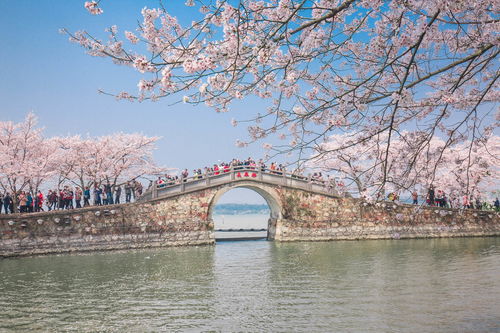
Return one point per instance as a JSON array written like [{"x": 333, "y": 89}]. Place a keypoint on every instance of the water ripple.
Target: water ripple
[{"x": 447, "y": 285}]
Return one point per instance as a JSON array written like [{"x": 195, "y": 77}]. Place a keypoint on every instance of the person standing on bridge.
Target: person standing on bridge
[
  {"x": 185, "y": 175},
  {"x": 272, "y": 167}
]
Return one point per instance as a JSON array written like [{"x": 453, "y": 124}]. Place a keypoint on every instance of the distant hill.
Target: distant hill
[{"x": 240, "y": 209}]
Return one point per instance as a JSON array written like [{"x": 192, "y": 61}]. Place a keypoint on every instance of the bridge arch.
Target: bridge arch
[{"x": 270, "y": 196}]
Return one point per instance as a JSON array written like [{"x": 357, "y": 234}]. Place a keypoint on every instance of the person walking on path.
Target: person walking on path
[
  {"x": 128, "y": 192},
  {"x": 430, "y": 194},
  {"x": 7, "y": 202},
  {"x": 86, "y": 197},
  {"x": 39, "y": 197},
  {"x": 21, "y": 198},
  {"x": 109, "y": 193},
  {"x": 465, "y": 202},
  {"x": 414, "y": 196},
  {"x": 138, "y": 189},
  {"x": 118, "y": 193},
  {"x": 97, "y": 196},
  {"x": 78, "y": 197}
]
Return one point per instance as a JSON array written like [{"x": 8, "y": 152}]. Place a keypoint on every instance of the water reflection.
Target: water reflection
[{"x": 444, "y": 285}]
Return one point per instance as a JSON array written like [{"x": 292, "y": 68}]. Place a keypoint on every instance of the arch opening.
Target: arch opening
[{"x": 244, "y": 212}]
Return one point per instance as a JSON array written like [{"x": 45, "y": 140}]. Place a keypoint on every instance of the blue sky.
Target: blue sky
[{"x": 41, "y": 71}]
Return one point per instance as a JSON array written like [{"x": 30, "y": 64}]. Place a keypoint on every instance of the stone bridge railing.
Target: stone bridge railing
[{"x": 239, "y": 173}]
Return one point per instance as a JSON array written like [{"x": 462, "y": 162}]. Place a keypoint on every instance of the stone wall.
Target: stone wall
[
  {"x": 311, "y": 217},
  {"x": 126, "y": 226}
]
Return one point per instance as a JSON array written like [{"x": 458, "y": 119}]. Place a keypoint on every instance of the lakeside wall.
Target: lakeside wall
[
  {"x": 312, "y": 217},
  {"x": 113, "y": 227},
  {"x": 185, "y": 219}
]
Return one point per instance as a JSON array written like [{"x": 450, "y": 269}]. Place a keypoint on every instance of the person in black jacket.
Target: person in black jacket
[
  {"x": 7, "y": 203},
  {"x": 430, "y": 195}
]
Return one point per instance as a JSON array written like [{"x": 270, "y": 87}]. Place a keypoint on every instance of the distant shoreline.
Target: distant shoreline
[{"x": 241, "y": 209}]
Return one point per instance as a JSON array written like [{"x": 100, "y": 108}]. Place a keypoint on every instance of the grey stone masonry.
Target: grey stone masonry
[{"x": 298, "y": 213}]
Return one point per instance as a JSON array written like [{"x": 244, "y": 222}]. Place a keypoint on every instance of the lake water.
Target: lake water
[{"x": 438, "y": 285}]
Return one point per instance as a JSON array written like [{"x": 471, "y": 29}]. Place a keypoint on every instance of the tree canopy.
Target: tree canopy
[{"x": 364, "y": 69}]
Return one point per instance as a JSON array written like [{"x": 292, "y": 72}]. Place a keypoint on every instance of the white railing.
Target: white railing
[{"x": 237, "y": 173}]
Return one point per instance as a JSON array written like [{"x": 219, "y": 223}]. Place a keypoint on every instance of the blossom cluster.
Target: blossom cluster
[
  {"x": 326, "y": 67},
  {"x": 92, "y": 7}
]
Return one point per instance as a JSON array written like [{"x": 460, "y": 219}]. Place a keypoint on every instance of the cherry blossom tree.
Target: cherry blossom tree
[
  {"x": 471, "y": 168},
  {"x": 26, "y": 158},
  {"x": 29, "y": 161},
  {"x": 112, "y": 159},
  {"x": 462, "y": 168},
  {"x": 326, "y": 67}
]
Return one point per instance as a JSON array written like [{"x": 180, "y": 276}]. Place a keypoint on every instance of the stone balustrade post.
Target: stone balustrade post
[
  {"x": 154, "y": 191},
  {"x": 309, "y": 182}
]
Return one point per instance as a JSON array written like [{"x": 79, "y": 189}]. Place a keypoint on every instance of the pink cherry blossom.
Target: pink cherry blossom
[{"x": 92, "y": 7}]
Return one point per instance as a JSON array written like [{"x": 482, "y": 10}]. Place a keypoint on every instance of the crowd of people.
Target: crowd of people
[
  {"x": 439, "y": 198},
  {"x": 107, "y": 194},
  {"x": 219, "y": 168},
  {"x": 70, "y": 198}
]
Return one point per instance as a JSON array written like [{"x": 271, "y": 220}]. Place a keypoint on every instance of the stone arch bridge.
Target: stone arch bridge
[
  {"x": 286, "y": 194},
  {"x": 302, "y": 209}
]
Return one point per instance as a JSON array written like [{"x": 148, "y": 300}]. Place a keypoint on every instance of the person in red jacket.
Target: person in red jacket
[{"x": 40, "y": 202}]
